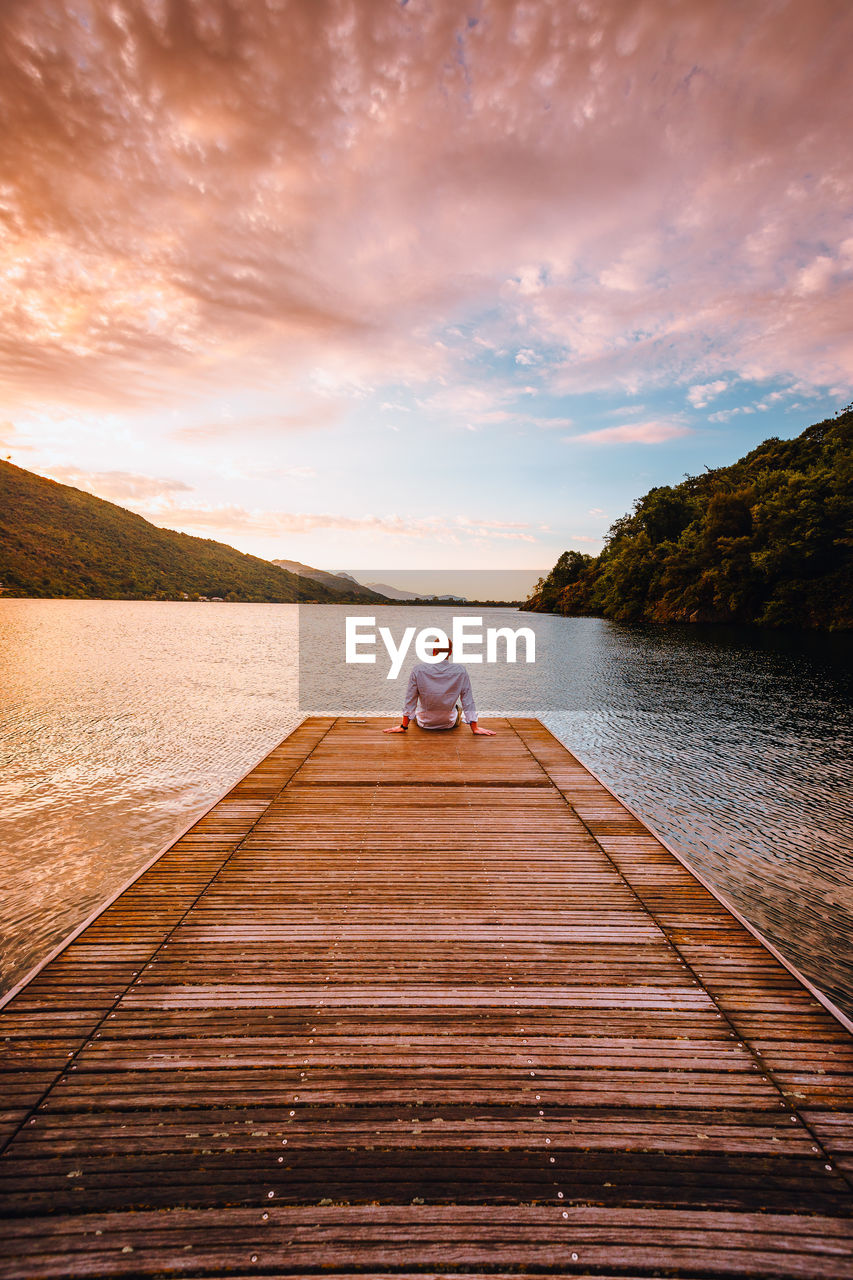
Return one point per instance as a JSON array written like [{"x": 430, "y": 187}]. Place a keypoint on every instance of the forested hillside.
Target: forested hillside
[
  {"x": 59, "y": 541},
  {"x": 767, "y": 540}
]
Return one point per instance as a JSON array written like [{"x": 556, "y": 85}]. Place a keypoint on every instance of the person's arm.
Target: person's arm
[
  {"x": 410, "y": 707},
  {"x": 467, "y": 699}
]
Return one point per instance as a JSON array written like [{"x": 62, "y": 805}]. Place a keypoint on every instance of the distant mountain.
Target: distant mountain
[
  {"x": 392, "y": 593},
  {"x": 341, "y": 582},
  {"x": 61, "y": 542},
  {"x": 396, "y": 593}
]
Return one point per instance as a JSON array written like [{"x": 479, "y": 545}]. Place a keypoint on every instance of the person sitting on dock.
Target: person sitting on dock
[{"x": 435, "y": 690}]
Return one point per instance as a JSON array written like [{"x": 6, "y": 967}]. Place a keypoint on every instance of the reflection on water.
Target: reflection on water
[
  {"x": 122, "y": 720},
  {"x": 737, "y": 746},
  {"x": 118, "y": 722}
]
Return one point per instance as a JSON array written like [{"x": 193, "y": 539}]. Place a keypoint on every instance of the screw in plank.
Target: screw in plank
[{"x": 270, "y": 1195}]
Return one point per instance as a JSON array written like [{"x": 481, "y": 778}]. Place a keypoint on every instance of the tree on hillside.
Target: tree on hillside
[{"x": 767, "y": 540}]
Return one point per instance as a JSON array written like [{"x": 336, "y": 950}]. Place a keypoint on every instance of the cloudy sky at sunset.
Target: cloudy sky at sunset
[{"x": 426, "y": 283}]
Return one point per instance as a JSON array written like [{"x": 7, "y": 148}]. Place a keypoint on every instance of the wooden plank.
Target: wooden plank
[
  {"x": 417, "y": 1002},
  {"x": 389, "y": 1239}
]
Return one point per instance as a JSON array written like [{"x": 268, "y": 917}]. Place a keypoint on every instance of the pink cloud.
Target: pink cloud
[
  {"x": 10, "y": 437},
  {"x": 632, "y": 433},
  {"x": 195, "y": 193},
  {"x": 815, "y": 277},
  {"x": 234, "y": 519},
  {"x": 317, "y": 414},
  {"x": 116, "y": 486}
]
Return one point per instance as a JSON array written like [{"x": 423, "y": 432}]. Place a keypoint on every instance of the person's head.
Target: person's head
[{"x": 445, "y": 651}]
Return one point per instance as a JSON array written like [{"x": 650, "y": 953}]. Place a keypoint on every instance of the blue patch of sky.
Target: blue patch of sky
[{"x": 426, "y": 450}]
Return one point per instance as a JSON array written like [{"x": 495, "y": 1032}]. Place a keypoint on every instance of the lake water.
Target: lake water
[{"x": 122, "y": 720}]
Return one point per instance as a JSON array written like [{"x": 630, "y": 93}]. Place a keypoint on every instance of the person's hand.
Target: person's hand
[
  {"x": 484, "y": 733},
  {"x": 397, "y": 728}
]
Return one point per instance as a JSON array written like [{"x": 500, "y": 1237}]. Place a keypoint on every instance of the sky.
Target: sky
[{"x": 426, "y": 284}]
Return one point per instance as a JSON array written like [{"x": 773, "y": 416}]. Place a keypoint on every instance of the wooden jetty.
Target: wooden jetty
[{"x": 422, "y": 1005}]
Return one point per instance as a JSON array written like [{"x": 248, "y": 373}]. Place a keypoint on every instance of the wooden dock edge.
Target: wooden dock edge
[
  {"x": 136, "y": 875},
  {"x": 821, "y": 996}
]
